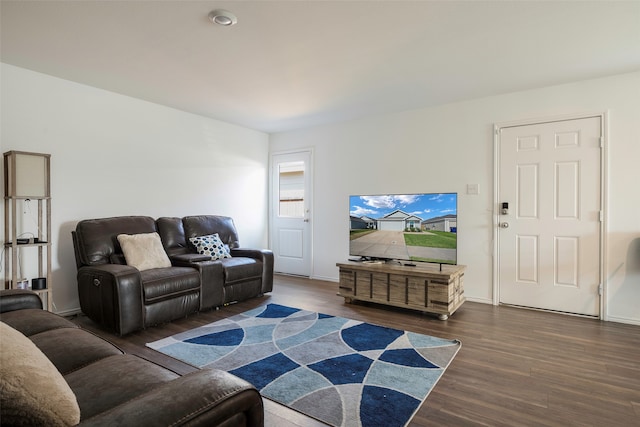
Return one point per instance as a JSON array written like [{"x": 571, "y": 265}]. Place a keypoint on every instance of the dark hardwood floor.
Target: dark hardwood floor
[{"x": 516, "y": 367}]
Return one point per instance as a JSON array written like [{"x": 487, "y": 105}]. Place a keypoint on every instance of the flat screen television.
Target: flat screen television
[{"x": 404, "y": 227}]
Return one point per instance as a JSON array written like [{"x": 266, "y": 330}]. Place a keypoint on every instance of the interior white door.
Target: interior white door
[
  {"x": 291, "y": 212},
  {"x": 549, "y": 236}
]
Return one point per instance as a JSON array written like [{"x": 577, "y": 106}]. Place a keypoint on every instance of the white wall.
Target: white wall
[
  {"x": 114, "y": 155},
  {"x": 456, "y": 147}
]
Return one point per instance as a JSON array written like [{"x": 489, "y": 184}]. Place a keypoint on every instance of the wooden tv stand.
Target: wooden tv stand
[{"x": 421, "y": 287}]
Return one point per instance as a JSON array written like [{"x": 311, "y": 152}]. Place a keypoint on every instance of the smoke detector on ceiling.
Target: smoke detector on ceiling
[{"x": 223, "y": 17}]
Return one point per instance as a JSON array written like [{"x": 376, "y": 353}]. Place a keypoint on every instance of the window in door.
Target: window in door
[{"x": 291, "y": 190}]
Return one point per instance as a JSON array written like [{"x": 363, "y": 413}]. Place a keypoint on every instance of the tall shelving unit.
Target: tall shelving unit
[{"x": 27, "y": 180}]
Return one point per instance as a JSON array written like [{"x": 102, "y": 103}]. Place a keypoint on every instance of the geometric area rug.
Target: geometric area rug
[{"x": 342, "y": 372}]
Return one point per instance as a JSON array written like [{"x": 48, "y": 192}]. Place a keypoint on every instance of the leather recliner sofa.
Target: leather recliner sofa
[
  {"x": 100, "y": 385},
  {"x": 124, "y": 299}
]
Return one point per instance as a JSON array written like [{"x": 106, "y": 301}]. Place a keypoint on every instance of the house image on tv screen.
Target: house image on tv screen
[
  {"x": 447, "y": 223},
  {"x": 363, "y": 223},
  {"x": 399, "y": 221},
  {"x": 394, "y": 221}
]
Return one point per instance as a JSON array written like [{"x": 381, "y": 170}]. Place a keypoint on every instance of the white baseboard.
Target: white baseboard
[
  {"x": 623, "y": 320},
  {"x": 626, "y": 320},
  {"x": 480, "y": 300},
  {"x": 69, "y": 313},
  {"x": 326, "y": 279}
]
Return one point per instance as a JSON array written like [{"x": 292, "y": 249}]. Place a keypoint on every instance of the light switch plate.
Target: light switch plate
[{"x": 473, "y": 189}]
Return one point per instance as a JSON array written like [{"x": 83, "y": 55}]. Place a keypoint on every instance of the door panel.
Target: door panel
[
  {"x": 549, "y": 240},
  {"x": 291, "y": 243},
  {"x": 527, "y": 191},
  {"x": 290, "y": 213},
  {"x": 527, "y": 259}
]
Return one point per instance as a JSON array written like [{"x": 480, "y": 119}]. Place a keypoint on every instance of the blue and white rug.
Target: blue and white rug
[{"x": 340, "y": 371}]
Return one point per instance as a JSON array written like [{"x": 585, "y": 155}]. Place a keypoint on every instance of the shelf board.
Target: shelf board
[
  {"x": 20, "y": 245},
  {"x": 27, "y": 197}
]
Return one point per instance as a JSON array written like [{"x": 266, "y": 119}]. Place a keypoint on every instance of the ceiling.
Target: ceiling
[{"x": 295, "y": 64}]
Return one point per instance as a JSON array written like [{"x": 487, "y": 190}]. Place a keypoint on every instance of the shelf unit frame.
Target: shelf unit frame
[{"x": 16, "y": 191}]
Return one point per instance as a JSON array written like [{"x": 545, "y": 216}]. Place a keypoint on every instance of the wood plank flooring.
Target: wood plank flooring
[{"x": 516, "y": 367}]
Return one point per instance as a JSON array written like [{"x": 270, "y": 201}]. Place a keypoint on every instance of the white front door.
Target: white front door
[
  {"x": 549, "y": 236},
  {"x": 291, "y": 212}
]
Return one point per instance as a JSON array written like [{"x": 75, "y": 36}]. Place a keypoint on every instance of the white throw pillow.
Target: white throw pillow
[
  {"x": 144, "y": 251},
  {"x": 210, "y": 245},
  {"x": 33, "y": 391}
]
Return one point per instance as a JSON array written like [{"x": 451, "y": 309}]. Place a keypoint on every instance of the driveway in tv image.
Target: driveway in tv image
[{"x": 390, "y": 244}]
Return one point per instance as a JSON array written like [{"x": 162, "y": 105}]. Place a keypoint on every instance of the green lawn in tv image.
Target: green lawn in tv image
[
  {"x": 416, "y": 227},
  {"x": 433, "y": 239}
]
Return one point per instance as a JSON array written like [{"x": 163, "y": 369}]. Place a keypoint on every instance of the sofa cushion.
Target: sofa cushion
[
  {"x": 96, "y": 239},
  {"x": 114, "y": 380},
  {"x": 33, "y": 391},
  {"x": 144, "y": 251},
  {"x": 210, "y": 245},
  {"x": 34, "y": 320},
  {"x": 202, "y": 225},
  {"x": 163, "y": 283},
  {"x": 72, "y": 348},
  {"x": 239, "y": 268},
  {"x": 168, "y": 309},
  {"x": 171, "y": 232}
]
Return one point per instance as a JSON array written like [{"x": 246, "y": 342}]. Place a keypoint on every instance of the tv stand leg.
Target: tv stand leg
[{"x": 443, "y": 316}]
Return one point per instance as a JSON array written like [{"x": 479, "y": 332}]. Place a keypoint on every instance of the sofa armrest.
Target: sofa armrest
[
  {"x": 111, "y": 295},
  {"x": 18, "y": 299},
  {"x": 211, "y": 277},
  {"x": 185, "y": 260},
  {"x": 206, "y": 397},
  {"x": 211, "y": 283},
  {"x": 263, "y": 255}
]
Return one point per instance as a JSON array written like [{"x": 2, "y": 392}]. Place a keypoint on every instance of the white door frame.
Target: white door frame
[
  {"x": 273, "y": 209},
  {"x": 604, "y": 198}
]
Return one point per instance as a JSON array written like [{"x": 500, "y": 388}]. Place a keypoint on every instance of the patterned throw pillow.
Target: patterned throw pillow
[{"x": 210, "y": 245}]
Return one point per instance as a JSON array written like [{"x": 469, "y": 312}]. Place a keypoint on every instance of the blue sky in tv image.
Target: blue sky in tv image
[{"x": 424, "y": 206}]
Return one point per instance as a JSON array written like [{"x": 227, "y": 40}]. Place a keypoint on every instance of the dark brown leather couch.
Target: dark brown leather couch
[
  {"x": 123, "y": 299},
  {"x": 114, "y": 388}
]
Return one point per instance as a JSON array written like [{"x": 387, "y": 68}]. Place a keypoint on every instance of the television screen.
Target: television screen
[{"x": 411, "y": 227}]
